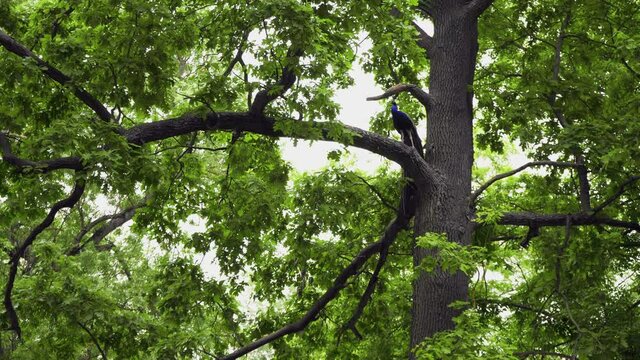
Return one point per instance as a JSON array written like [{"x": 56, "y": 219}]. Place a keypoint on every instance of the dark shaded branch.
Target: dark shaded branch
[
  {"x": 20, "y": 250},
  {"x": 418, "y": 93},
  {"x": 617, "y": 194},
  {"x": 368, "y": 292},
  {"x": 425, "y": 40},
  {"x": 579, "y": 219},
  {"x": 477, "y": 7},
  {"x": 271, "y": 92},
  {"x": 56, "y": 75},
  {"x": 484, "y": 187},
  {"x": 378, "y": 194},
  {"x": 340, "y": 282},
  {"x": 238, "y": 57},
  {"x": 45, "y": 166},
  {"x": 93, "y": 338},
  {"x": 116, "y": 220}
]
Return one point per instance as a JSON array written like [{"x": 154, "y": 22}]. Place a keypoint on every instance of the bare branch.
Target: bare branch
[
  {"x": 418, "y": 93},
  {"x": 45, "y": 166},
  {"x": 238, "y": 57},
  {"x": 617, "y": 194},
  {"x": 389, "y": 235},
  {"x": 477, "y": 7},
  {"x": 93, "y": 338},
  {"x": 56, "y": 75},
  {"x": 20, "y": 250},
  {"x": 484, "y": 187}
]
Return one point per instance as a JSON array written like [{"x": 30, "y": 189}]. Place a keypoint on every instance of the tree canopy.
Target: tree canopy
[{"x": 125, "y": 122}]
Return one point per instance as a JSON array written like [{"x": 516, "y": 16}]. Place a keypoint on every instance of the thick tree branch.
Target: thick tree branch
[
  {"x": 72, "y": 163},
  {"x": 418, "y": 93},
  {"x": 56, "y": 75},
  {"x": 477, "y": 7},
  {"x": 340, "y": 282},
  {"x": 20, "y": 250},
  {"x": 393, "y": 150},
  {"x": 579, "y": 219},
  {"x": 491, "y": 181}
]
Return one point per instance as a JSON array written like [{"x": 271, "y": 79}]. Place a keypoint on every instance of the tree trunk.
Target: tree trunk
[{"x": 444, "y": 208}]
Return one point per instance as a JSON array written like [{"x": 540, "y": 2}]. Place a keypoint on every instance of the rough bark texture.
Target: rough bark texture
[{"x": 444, "y": 208}]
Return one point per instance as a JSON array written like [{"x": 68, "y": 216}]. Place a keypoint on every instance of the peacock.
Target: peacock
[{"x": 404, "y": 125}]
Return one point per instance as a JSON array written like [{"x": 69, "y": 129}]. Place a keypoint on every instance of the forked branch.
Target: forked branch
[
  {"x": 476, "y": 194},
  {"x": 340, "y": 282}
]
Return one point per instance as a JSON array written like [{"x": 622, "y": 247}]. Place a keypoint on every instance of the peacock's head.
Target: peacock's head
[{"x": 394, "y": 106}]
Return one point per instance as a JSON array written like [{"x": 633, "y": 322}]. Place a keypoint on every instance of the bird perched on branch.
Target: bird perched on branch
[{"x": 404, "y": 125}]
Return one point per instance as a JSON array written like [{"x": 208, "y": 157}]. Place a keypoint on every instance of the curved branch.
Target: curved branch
[
  {"x": 418, "y": 93},
  {"x": 392, "y": 230},
  {"x": 19, "y": 252},
  {"x": 56, "y": 75},
  {"x": 393, "y": 150},
  {"x": 475, "y": 194},
  {"x": 45, "y": 166}
]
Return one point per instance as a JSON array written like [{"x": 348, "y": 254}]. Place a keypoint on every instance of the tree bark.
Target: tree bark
[{"x": 444, "y": 208}]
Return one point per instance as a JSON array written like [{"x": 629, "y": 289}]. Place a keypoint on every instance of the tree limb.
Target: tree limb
[
  {"x": 20, "y": 250},
  {"x": 475, "y": 194},
  {"x": 424, "y": 40},
  {"x": 418, "y": 93},
  {"x": 579, "y": 219},
  {"x": 56, "y": 75},
  {"x": 526, "y": 354},
  {"x": 45, "y": 166},
  {"x": 390, "y": 233},
  {"x": 477, "y": 7},
  {"x": 617, "y": 194},
  {"x": 93, "y": 338},
  {"x": 368, "y": 293},
  {"x": 116, "y": 220},
  {"x": 393, "y": 150},
  {"x": 271, "y": 92},
  {"x": 511, "y": 304}
]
